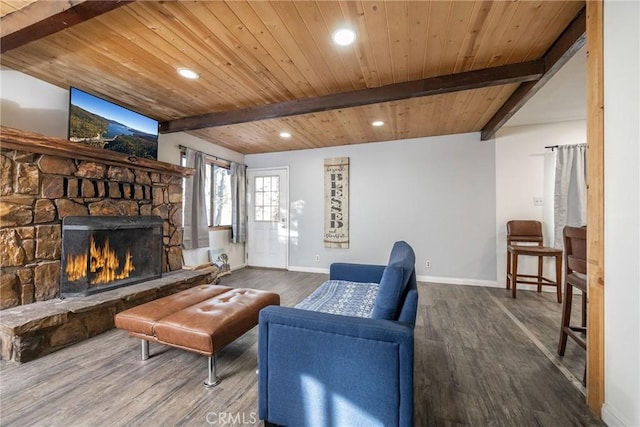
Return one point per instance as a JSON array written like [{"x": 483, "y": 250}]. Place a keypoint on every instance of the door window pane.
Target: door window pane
[{"x": 267, "y": 196}]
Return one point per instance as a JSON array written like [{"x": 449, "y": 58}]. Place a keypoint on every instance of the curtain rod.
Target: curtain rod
[
  {"x": 183, "y": 148},
  {"x": 553, "y": 147}
]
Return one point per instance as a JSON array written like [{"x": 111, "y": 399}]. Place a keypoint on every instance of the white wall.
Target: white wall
[
  {"x": 524, "y": 170},
  {"x": 622, "y": 213},
  {"x": 436, "y": 193},
  {"x": 169, "y": 152},
  {"x": 33, "y": 105}
]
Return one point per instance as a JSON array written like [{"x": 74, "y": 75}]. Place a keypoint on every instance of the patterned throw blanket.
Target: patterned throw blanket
[{"x": 342, "y": 297}]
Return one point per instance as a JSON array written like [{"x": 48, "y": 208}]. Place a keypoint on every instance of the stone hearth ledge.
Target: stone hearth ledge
[{"x": 30, "y": 331}]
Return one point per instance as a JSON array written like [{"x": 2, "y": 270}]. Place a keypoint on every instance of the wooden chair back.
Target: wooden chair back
[
  {"x": 524, "y": 231},
  {"x": 575, "y": 249}
]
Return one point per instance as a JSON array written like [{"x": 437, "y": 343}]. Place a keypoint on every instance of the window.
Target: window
[
  {"x": 217, "y": 193},
  {"x": 267, "y": 198}
]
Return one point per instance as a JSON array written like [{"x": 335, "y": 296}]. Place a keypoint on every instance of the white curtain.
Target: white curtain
[
  {"x": 570, "y": 198},
  {"x": 239, "y": 203},
  {"x": 196, "y": 230}
]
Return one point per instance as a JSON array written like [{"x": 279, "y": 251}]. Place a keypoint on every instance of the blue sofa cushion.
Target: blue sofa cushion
[
  {"x": 342, "y": 297},
  {"x": 394, "y": 282}
]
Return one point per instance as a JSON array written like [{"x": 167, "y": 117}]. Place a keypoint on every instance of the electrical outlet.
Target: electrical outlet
[
  {"x": 537, "y": 201},
  {"x": 427, "y": 263},
  {"x": 317, "y": 258}
]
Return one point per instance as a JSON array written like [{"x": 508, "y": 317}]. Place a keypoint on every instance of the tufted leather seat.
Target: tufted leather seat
[
  {"x": 208, "y": 326},
  {"x": 203, "y": 319},
  {"x": 142, "y": 319}
]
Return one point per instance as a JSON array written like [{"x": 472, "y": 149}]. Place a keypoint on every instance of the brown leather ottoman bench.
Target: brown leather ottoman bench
[{"x": 202, "y": 319}]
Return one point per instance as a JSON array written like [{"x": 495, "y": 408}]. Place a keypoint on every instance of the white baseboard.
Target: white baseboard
[
  {"x": 610, "y": 418},
  {"x": 238, "y": 267},
  {"x": 431, "y": 279},
  {"x": 485, "y": 283},
  {"x": 309, "y": 269},
  {"x": 459, "y": 281}
]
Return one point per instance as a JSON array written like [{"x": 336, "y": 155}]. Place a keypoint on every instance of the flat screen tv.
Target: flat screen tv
[{"x": 103, "y": 124}]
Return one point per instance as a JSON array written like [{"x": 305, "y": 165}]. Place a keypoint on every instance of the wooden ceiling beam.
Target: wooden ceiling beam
[
  {"x": 572, "y": 39},
  {"x": 505, "y": 74},
  {"x": 36, "y": 11},
  {"x": 43, "y": 18}
]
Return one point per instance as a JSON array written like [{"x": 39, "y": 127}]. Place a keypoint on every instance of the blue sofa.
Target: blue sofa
[{"x": 323, "y": 369}]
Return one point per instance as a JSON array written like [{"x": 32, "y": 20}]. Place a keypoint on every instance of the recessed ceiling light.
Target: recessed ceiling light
[
  {"x": 377, "y": 123},
  {"x": 285, "y": 135},
  {"x": 344, "y": 37},
  {"x": 188, "y": 74}
]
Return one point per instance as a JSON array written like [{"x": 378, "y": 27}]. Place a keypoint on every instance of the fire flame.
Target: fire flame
[
  {"x": 76, "y": 267},
  {"x": 103, "y": 261}
]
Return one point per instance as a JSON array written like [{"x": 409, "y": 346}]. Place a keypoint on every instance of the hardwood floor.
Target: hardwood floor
[{"x": 475, "y": 364}]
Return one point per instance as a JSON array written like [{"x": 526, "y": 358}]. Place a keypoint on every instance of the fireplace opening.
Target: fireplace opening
[{"x": 100, "y": 253}]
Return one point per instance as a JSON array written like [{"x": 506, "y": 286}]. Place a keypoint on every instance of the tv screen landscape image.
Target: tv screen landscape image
[{"x": 103, "y": 124}]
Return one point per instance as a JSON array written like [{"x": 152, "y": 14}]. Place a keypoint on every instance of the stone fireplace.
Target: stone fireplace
[
  {"x": 45, "y": 180},
  {"x": 106, "y": 252},
  {"x": 51, "y": 190}
]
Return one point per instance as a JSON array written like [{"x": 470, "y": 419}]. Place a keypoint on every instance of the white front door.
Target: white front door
[{"x": 268, "y": 210}]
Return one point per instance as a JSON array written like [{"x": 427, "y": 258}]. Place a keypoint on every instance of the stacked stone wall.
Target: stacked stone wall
[{"x": 38, "y": 190}]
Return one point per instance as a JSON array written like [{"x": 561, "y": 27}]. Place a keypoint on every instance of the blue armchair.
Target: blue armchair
[{"x": 321, "y": 369}]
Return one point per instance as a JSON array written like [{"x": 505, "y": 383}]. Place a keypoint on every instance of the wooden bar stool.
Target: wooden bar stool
[
  {"x": 575, "y": 267},
  {"x": 530, "y": 233}
]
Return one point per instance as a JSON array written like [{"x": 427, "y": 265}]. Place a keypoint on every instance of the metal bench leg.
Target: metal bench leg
[
  {"x": 213, "y": 379},
  {"x": 145, "y": 349}
]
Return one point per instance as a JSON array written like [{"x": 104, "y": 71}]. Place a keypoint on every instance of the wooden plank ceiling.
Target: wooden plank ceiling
[
  {"x": 258, "y": 53},
  {"x": 7, "y": 7}
]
